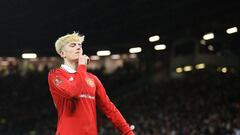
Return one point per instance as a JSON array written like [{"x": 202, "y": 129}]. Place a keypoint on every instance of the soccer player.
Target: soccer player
[{"x": 76, "y": 92}]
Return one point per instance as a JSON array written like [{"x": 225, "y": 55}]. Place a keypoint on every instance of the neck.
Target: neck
[{"x": 72, "y": 64}]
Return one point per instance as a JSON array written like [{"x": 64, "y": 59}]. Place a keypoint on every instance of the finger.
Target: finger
[
  {"x": 84, "y": 55},
  {"x": 87, "y": 59},
  {"x": 81, "y": 52}
]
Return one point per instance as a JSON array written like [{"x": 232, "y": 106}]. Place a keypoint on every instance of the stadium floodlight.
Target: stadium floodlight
[
  {"x": 224, "y": 70},
  {"x": 187, "y": 68},
  {"x": 115, "y": 56},
  {"x": 29, "y": 55},
  {"x": 94, "y": 57},
  {"x": 179, "y": 70},
  {"x": 232, "y": 30},
  {"x": 208, "y": 36},
  {"x": 160, "y": 47},
  {"x": 135, "y": 50},
  {"x": 154, "y": 38},
  {"x": 103, "y": 53},
  {"x": 200, "y": 66}
]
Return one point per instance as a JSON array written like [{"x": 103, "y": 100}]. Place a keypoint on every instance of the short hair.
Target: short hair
[{"x": 69, "y": 38}]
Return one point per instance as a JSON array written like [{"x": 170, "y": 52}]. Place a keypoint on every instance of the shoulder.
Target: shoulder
[
  {"x": 55, "y": 71},
  {"x": 55, "y": 76},
  {"x": 91, "y": 75}
]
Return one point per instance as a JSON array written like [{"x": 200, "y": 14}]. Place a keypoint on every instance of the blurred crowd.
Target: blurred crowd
[{"x": 201, "y": 103}]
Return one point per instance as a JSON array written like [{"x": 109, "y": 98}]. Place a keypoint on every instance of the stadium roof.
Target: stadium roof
[{"x": 33, "y": 26}]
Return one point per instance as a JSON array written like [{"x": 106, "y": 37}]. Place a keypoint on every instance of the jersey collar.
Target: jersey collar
[{"x": 68, "y": 69}]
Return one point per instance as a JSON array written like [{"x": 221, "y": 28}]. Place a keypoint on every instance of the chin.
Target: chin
[{"x": 74, "y": 59}]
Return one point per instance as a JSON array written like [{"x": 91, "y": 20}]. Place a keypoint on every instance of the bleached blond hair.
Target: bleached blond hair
[{"x": 69, "y": 38}]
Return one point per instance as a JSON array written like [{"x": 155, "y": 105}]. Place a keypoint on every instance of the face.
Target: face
[{"x": 71, "y": 51}]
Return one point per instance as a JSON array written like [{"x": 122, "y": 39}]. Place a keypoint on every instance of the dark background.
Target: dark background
[{"x": 34, "y": 26}]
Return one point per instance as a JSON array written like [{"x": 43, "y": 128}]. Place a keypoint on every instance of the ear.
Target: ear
[{"x": 62, "y": 54}]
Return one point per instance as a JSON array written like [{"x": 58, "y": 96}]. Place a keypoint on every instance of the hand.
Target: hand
[{"x": 83, "y": 59}]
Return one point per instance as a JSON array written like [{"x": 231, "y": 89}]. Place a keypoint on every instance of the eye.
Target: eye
[{"x": 72, "y": 44}]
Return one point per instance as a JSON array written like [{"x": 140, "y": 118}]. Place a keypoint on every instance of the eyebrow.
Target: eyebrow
[{"x": 73, "y": 43}]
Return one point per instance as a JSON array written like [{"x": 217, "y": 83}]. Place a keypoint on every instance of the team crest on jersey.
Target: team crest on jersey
[
  {"x": 57, "y": 81},
  {"x": 71, "y": 79},
  {"x": 90, "y": 82}
]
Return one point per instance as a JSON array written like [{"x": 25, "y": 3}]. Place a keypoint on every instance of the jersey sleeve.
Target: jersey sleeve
[
  {"x": 64, "y": 87},
  {"x": 109, "y": 109}
]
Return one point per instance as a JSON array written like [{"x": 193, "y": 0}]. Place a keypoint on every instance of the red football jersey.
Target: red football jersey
[{"x": 76, "y": 95}]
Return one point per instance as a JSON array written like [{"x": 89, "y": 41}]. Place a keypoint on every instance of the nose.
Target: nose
[{"x": 78, "y": 47}]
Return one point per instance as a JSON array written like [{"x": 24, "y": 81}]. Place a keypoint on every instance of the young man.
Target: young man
[{"x": 76, "y": 92}]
